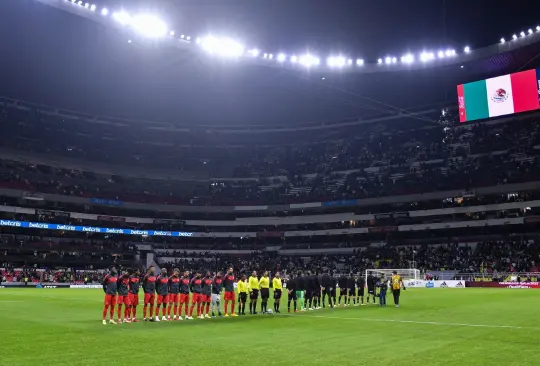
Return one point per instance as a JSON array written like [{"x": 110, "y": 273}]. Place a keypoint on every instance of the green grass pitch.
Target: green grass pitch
[{"x": 432, "y": 327}]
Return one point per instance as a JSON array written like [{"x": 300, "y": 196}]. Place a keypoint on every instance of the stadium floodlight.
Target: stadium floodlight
[
  {"x": 440, "y": 54},
  {"x": 530, "y": 31},
  {"x": 93, "y": 7},
  {"x": 104, "y": 11},
  {"x": 467, "y": 49},
  {"x": 182, "y": 36},
  {"x": 80, "y": 3},
  {"x": 394, "y": 60},
  {"x": 514, "y": 37},
  {"x": 336, "y": 61},
  {"x": 349, "y": 62},
  {"x": 388, "y": 60},
  {"x": 73, "y": 1},
  {"x": 122, "y": 17},
  {"x": 265, "y": 55},
  {"x": 149, "y": 25},
  {"x": 308, "y": 60},
  {"x": 171, "y": 33},
  {"x": 522, "y": 34},
  {"x": 379, "y": 61},
  {"x": 359, "y": 62},
  {"x": 450, "y": 53},
  {"x": 270, "y": 56},
  {"x": 538, "y": 28},
  {"x": 225, "y": 47},
  {"x": 426, "y": 56},
  {"x": 254, "y": 52},
  {"x": 281, "y": 57},
  {"x": 188, "y": 38},
  {"x": 408, "y": 58},
  {"x": 294, "y": 59},
  {"x": 503, "y": 41},
  {"x": 86, "y": 5}
]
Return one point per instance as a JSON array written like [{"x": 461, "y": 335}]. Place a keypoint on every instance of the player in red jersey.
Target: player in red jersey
[
  {"x": 228, "y": 284},
  {"x": 123, "y": 298},
  {"x": 196, "y": 297},
  {"x": 184, "y": 295},
  {"x": 134, "y": 282},
  {"x": 110, "y": 287},
  {"x": 206, "y": 295},
  {"x": 162, "y": 290},
  {"x": 149, "y": 288},
  {"x": 174, "y": 297}
]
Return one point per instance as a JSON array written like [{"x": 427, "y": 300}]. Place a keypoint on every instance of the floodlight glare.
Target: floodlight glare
[
  {"x": 73, "y": 1},
  {"x": 336, "y": 61},
  {"x": 265, "y": 55},
  {"x": 522, "y": 34},
  {"x": 394, "y": 60},
  {"x": 440, "y": 54},
  {"x": 379, "y": 61},
  {"x": 503, "y": 41},
  {"x": 308, "y": 60},
  {"x": 122, "y": 17},
  {"x": 530, "y": 31},
  {"x": 427, "y": 56},
  {"x": 407, "y": 59},
  {"x": 359, "y": 62},
  {"x": 104, "y": 11},
  {"x": 294, "y": 59},
  {"x": 149, "y": 25},
  {"x": 538, "y": 28},
  {"x": 281, "y": 57},
  {"x": 388, "y": 60},
  {"x": 171, "y": 33},
  {"x": 188, "y": 38},
  {"x": 254, "y": 52},
  {"x": 86, "y": 5},
  {"x": 93, "y": 7},
  {"x": 467, "y": 49},
  {"x": 225, "y": 47},
  {"x": 270, "y": 56},
  {"x": 448, "y": 52},
  {"x": 80, "y": 3},
  {"x": 514, "y": 37}
]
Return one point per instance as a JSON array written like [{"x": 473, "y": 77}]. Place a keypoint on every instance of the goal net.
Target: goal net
[{"x": 405, "y": 273}]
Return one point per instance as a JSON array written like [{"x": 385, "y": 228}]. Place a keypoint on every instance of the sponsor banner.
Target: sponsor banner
[
  {"x": 91, "y": 229},
  {"x": 169, "y": 222},
  {"x": 53, "y": 213},
  {"x": 340, "y": 203},
  {"x": 445, "y": 284},
  {"x": 504, "y": 284},
  {"x": 33, "y": 285},
  {"x": 111, "y": 218},
  {"x": 306, "y": 205},
  {"x": 250, "y": 208},
  {"x": 85, "y": 286},
  {"x": 101, "y": 201},
  {"x": 415, "y": 283},
  {"x": 382, "y": 229},
  {"x": 392, "y": 215}
]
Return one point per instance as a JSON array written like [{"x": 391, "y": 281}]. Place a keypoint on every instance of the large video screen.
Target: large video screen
[{"x": 508, "y": 94}]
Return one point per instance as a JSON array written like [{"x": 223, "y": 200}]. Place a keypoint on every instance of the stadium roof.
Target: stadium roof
[{"x": 76, "y": 63}]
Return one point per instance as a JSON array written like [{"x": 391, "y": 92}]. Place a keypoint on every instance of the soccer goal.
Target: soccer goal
[{"x": 405, "y": 273}]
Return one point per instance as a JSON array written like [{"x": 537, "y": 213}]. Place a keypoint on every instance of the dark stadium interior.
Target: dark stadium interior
[{"x": 119, "y": 151}]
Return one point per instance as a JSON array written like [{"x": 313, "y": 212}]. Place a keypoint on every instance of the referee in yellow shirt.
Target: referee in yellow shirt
[
  {"x": 253, "y": 287},
  {"x": 278, "y": 288},
  {"x": 242, "y": 295},
  {"x": 264, "y": 284}
]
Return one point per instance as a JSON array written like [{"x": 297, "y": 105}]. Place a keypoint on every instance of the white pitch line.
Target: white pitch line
[{"x": 420, "y": 322}]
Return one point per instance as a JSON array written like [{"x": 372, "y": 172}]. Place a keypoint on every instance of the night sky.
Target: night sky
[{"x": 52, "y": 57}]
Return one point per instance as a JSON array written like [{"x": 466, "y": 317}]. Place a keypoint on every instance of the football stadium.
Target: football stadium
[{"x": 287, "y": 182}]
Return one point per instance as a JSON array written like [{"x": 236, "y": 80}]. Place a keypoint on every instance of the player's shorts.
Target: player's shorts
[
  {"x": 110, "y": 300},
  {"x": 277, "y": 294},
  {"x": 254, "y": 295},
  {"x": 351, "y": 292},
  {"x": 317, "y": 293},
  {"x": 206, "y": 298},
  {"x": 184, "y": 298},
  {"x": 196, "y": 298},
  {"x": 299, "y": 294},
  {"x": 149, "y": 299},
  {"x": 292, "y": 295},
  {"x": 361, "y": 291},
  {"x": 215, "y": 298},
  {"x": 174, "y": 298},
  {"x": 243, "y": 296},
  {"x": 229, "y": 296},
  {"x": 265, "y": 293},
  {"x": 371, "y": 290},
  {"x": 134, "y": 299},
  {"x": 308, "y": 294},
  {"x": 123, "y": 299},
  {"x": 162, "y": 299}
]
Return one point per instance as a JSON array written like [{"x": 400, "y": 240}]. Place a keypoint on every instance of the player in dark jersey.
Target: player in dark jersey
[
  {"x": 342, "y": 282},
  {"x": 371, "y": 282},
  {"x": 134, "y": 282},
  {"x": 327, "y": 282},
  {"x": 316, "y": 291},
  {"x": 184, "y": 295},
  {"x": 308, "y": 291},
  {"x": 361, "y": 284},
  {"x": 351, "y": 290},
  {"x": 174, "y": 297},
  {"x": 149, "y": 289},
  {"x": 217, "y": 286},
  {"x": 123, "y": 298},
  {"x": 291, "y": 291},
  {"x": 196, "y": 295},
  {"x": 162, "y": 290},
  {"x": 206, "y": 295},
  {"x": 110, "y": 288},
  {"x": 229, "y": 297}
]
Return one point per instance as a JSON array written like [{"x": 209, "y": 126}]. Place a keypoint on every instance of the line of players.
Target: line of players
[{"x": 171, "y": 294}]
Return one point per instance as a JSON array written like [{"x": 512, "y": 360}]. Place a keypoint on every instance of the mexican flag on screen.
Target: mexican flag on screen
[{"x": 498, "y": 96}]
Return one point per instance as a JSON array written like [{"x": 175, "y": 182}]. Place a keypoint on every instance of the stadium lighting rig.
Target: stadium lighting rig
[{"x": 151, "y": 26}]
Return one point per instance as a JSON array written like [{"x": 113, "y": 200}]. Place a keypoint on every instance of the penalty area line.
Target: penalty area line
[{"x": 418, "y": 322}]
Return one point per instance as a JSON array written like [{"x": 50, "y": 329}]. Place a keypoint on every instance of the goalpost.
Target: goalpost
[{"x": 405, "y": 273}]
